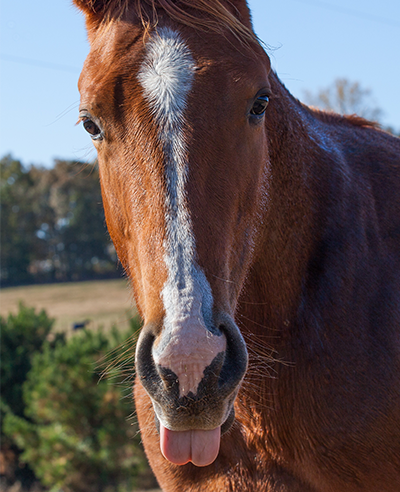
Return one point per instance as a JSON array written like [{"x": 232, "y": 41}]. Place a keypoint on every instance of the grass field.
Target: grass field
[{"x": 104, "y": 302}]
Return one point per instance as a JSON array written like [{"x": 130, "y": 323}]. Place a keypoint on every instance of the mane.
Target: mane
[
  {"x": 332, "y": 117},
  {"x": 203, "y": 15}
]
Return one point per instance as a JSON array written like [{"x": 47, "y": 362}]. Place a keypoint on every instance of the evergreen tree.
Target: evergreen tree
[{"x": 76, "y": 432}]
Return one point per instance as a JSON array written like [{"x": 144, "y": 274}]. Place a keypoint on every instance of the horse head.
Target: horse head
[{"x": 176, "y": 112}]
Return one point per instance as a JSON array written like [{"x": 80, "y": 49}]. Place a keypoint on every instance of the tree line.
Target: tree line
[{"x": 52, "y": 224}]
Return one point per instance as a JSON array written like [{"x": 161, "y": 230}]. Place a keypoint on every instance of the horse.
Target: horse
[{"x": 261, "y": 238}]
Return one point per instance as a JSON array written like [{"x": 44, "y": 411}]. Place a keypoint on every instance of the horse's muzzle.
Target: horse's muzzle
[{"x": 209, "y": 405}]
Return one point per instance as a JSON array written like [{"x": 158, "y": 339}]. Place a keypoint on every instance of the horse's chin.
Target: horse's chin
[{"x": 200, "y": 447}]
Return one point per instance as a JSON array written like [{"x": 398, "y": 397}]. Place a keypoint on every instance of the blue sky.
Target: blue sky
[{"x": 43, "y": 46}]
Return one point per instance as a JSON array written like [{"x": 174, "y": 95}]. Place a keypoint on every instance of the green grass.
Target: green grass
[{"x": 104, "y": 303}]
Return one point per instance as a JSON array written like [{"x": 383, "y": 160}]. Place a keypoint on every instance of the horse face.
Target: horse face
[{"x": 177, "y": 118}]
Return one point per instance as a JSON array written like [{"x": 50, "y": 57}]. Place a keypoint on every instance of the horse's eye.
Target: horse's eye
[
  {"x": 92, "y": 129},
  {"x": 260, "y": 105}
]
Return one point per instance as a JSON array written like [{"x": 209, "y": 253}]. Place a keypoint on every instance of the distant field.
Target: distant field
[{"x": 104, "y": 302}]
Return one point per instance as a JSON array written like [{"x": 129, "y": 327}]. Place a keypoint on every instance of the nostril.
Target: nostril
[
  {"x": 145, "y": 367},
  {"x": 169, "y": 379},
  {"x": 236, "y": 357}
]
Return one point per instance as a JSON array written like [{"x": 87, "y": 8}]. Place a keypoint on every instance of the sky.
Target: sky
[{"x": 311, "y": 43}]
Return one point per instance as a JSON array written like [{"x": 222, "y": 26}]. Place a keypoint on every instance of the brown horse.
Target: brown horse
[{"x": 232, "y": 205}]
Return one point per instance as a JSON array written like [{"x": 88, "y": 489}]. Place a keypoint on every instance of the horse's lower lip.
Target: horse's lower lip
[{"x": 226, "y": 425}]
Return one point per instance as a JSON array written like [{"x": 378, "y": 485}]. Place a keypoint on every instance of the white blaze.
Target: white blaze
[{"x": 187, "y": 346}]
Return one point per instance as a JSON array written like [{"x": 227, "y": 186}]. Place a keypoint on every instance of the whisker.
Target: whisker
[
  {"x": 71, "y": 107},
  {"x": 223, "y": 279},
  {"x": 257, "y": 324}
]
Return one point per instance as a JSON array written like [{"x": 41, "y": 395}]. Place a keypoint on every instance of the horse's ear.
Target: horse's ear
[
  {"x": 91, "y": 7},
  {"x": 94, "y": 11},
  {"x": 244, "y": 12}
]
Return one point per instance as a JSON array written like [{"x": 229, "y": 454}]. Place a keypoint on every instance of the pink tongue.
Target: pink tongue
[{"x": 201, "y": 447}]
